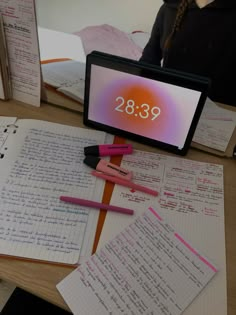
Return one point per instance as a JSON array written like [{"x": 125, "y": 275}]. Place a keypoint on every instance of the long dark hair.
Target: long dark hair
[{"x": 181, "y": 10}]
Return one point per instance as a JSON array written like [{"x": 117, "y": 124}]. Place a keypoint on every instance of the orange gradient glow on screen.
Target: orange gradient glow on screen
[{"x": 138, "y": 95}]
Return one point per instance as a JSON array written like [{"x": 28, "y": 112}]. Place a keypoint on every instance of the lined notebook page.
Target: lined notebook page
[
  {"x": 41, "y": 162},
  {"x": 149, "y": 268},
  {"x": 191, "y": 196}
]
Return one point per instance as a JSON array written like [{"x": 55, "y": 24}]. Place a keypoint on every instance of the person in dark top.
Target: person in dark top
[{"x": 198, "y": 37}]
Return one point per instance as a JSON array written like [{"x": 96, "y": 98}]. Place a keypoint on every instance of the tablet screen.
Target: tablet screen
[{"x": 152, "y": 109}]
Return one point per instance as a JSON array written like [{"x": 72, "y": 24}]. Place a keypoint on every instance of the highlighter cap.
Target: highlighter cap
[
  {"x": 91, "y": 161},
  {"x": 92, "y": 150}
]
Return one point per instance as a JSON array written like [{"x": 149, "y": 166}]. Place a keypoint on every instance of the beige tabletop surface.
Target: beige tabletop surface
[{"x": 41, "y": 278}]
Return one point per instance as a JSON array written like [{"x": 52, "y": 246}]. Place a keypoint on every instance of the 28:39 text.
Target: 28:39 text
[{"x": 144, "y": 111}]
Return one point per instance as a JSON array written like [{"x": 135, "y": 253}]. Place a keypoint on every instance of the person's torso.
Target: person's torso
[{"x": 205, "y": 43}]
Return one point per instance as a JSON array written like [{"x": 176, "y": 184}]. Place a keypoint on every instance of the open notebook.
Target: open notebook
[{"x": 40, "y": 161}]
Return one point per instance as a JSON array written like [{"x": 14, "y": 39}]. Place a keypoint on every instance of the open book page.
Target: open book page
[
  {"x": 41, "y": 162},
  {"x": 5, "y": 123},
  {"x": 68, "y": 76},
  {"x": 149, "y": 268},
  {"x": 215, "y": 127},
  {"x": 191, "y": 197},
  {"x": 20, "y": 27}
]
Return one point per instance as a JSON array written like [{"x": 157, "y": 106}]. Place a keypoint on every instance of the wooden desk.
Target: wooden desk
[{"x": 41, "y": 278}]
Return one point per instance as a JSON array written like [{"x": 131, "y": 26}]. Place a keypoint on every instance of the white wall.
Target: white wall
[{"x": 72, "y": 15}]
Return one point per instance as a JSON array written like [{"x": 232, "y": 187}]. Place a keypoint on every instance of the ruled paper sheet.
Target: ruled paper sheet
[
  {"x": 41, "y": 162},
  {"x": 191, "y": 196},
  {"x": 149, "y": 268}
]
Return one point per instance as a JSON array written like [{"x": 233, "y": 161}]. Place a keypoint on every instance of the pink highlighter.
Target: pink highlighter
[
  {"x": 107, "y": 168},
  {"x": 108, "y": 149}
]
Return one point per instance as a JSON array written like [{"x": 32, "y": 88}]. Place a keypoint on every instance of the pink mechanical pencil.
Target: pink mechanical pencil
[{"x": 126, "y": 183}]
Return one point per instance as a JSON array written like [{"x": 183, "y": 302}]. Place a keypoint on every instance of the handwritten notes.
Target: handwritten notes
[
  {"x": 41, "y": 162},
  {"x": 191, "y": 198},
  {"x": 215, "y": 127},
  {"x": 146, "y": 269},
  {"x": 20, "y": 27}
]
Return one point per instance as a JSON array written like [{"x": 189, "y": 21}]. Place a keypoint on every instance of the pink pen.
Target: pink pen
[
  {"x": 96, "y": 205},
  {"x": 108, "y": 149},
  {"x": 107, "y": 168},
  {"x": 126, "y": 183}
]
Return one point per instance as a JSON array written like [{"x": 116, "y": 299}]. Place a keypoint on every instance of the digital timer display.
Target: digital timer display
[
  {"x": 142, "y": 106},
  {"x": 143, "y": 111}
]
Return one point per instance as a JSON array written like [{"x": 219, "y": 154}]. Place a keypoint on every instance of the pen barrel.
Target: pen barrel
[
  {"x": 117, "y": 209},
  {"x": 144, "y": 189},
  {"x": 125, "y": 183},
  {"x": 97, "y": 205}
]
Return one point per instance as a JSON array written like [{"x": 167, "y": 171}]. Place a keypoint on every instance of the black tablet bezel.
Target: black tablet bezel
[{"x": 151, "y": 72}]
